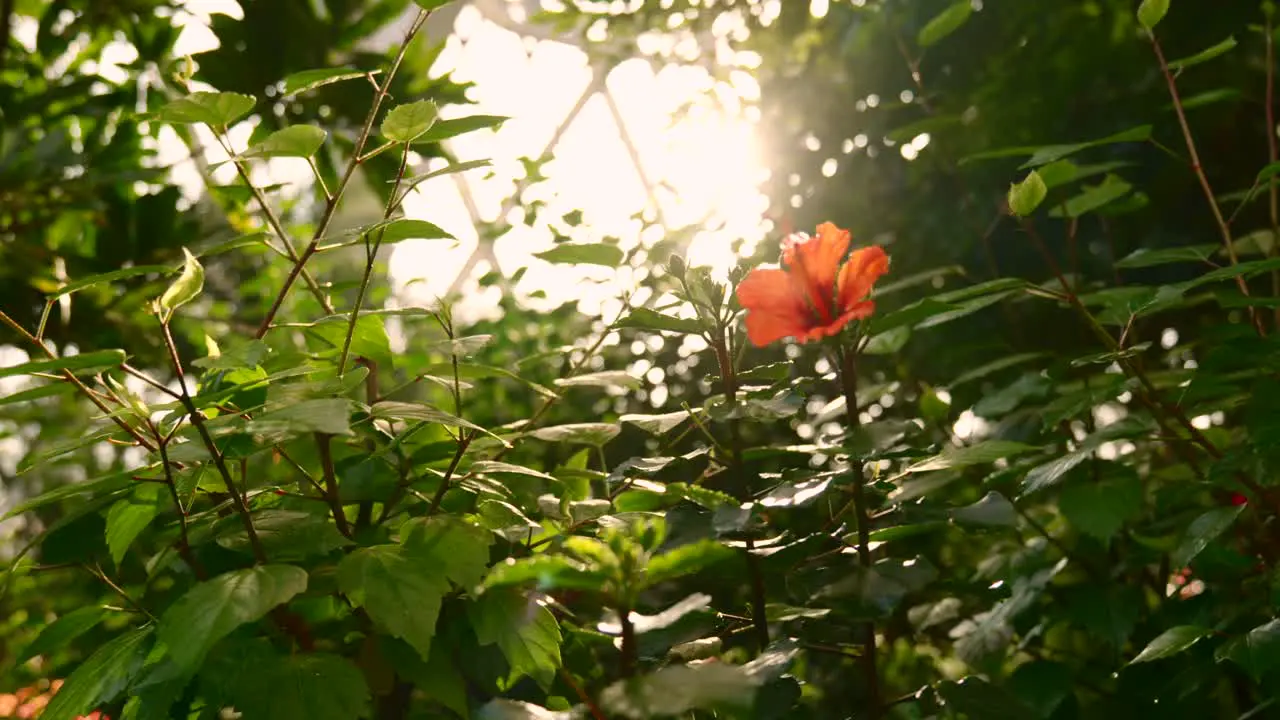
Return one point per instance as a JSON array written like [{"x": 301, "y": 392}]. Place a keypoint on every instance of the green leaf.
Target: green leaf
[
  {"x": 1101, "y": 509},
  {"x": 473, "y": 371},
  {"x": 212, "y": 609},
  {"x": 548, "y": 571},
  {"x": 286, "y": 535},
  {"x": 888, "y": 342},
  {"x": 993, "y": 509},
  {"x": 1258, "y": 652},
  {"x": 675, "y": 690},
  {"x": 491, "y": 467},
  {"x": 102, "y": 677},
  {"x": 1171, "y": 642},
  {"x": 305, "y": 80},
  {"x": 1025, "y": 196},
  {"x": 945, "y": 23},
  {"x": 325, "y": 415},
  {"x": 446, "y": 170},
  {"x": 97, "y": 487},
  {"x": 368, "y": 340},
  {"x": 303, "y": 686},
  {"x": 59, "y": 633},
  {"x": 583, "y": 254},
  {"x": 52, "y": 389},
  {"x": 980, "y": 453},
  {"x": 215, "y": 109},
  {"x": 294, "y": 141},
  {"x": 458, "y": 549},
  {"x": 685, "y": 560},
  {"x": 503, "y": 709},
  {"x": 186, "y": 287},
  {"x": 408, "y": 229},
  {"x": 602, "y": 379},
  {"x": 401, "y": 592},
  {"x": 1145, "y": 257},
  {"x": 1111, "y": 188},
  {"x": 976, "y": 698},
  {"x": 525, "y": 631},
  {"x": 430, "y": 5},
  {"x": 579, "y": 433},
  {"x": 1204, "y": 55},
  {"x": 110, "y": 277},
  {"x": 657, "y": 424},
  {"x": 445, "y": 129},
  {"x": 646, "y": 319},
  {"x": 408, "y": 122},
  {"x": 130, "y": 516},
  {"x": 1202, "y": 531},
  {"x": 85, "y": 362},
  {"x": 1050, "y": 153},
  {"x": 1151, "y": 12},
  {"x": 1050, "y": 473},
  {"x": 421, "y": 412}
]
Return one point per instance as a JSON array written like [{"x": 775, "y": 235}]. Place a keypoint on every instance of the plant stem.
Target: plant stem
[
  {"x": 371, "y": 257},
  {"x": 332, "y": 205},
  {"x": 1223, "y": 228},
  {"x": 1273, "y": 155},
  {"x": 184, "y": 540},
  {"x": 847, "y": 362},
  {"x": 464, "y": 439},
  {"x": 759, "y": 598},
  {"x": 323, "y": 445},
  {"x": 628, "y": 665},
  {"x": 197, "y": 419}
]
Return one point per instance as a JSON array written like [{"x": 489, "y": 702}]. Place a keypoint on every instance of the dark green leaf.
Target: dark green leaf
[
  {"x": 102, "y": 677},
  {"x": 59, "y": 633},
  {"x": 976, "y": 698},
  {"x": 459, "y": 550},
  {"x": 401, "y": 591},
  {"x": 944, "y": 23},
  {"x": 130, "y": 516},
  {"x": 646, "y": 319},
  {"x": 84, "y": 362},
  {"x": 1145, "y": 257},
  {"x": 685, "y": 560},
  {"x": 993, "y": 509},
  {"x": 547, "y": 571},
  {"x": 327, "y": 415},
  {"x": 1101, "y": 509},
  {"x": 212, "y": 609},
  {"x": 301, "y": 82},
  {"x": 986, "y": 451},
  {"x": 445, "y": 129},
  {"x": 1111, "y": 188},
  {"x": 287, "y": 535},
  {"x": 1171, "y": 642},
  {"x": 1201, "y": 532},
  {"x": 110, "y": 277},
  {"x": 677, "y": 689},
  {"x": 1258, "y": 651}
]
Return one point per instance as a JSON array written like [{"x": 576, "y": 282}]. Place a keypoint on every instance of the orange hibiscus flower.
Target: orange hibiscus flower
[{"x": 816, "y": 292}]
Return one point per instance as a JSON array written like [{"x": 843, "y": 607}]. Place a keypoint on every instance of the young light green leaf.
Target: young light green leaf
[
  {"x": 525, "y": 631},
  {"x": 408, "y": 122},
  {"x": 979, "y": 453},
  {"x": 305, "y": 80},
  {"x": 102, "y": 677},
  {"x": 401, "y": 592},
  {"x": 646, "y": 319},
  {"x": 446, "y": 170},
  {"x": 1151, "y": 12},
  {"x": 944, "y": 23},
  {"x": 294, "y": 141},
  {"x": 1205, "y": 55},
  {"x": 430, "y": 5},
  {"x": 658, "y": 424},
  {"x": 186, "y": 287},
  {"x": 212, "y": 609},
  {"x": 84, "y": 362},
  {"x": 215, "y": 109},
  {"x": 1026, "y": 196},
  {"x": 583, "y": 254},
  {"x": 1171, "y": 642},
  {"x": 1202, "y": 531},
  {"x": 546, "y": 571},
  {"x": 1111, "y": 188},
  {"x": 408, "y": 229},
  {"x": 491, "y": 467}
]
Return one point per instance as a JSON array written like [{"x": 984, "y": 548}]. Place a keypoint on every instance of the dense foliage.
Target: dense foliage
[{"x": 1030, "y": 477}]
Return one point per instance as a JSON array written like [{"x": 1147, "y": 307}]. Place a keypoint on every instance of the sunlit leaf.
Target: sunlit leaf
[
  {"x": 1171, "y": 642},
  {"x": 294, "y": 141}
]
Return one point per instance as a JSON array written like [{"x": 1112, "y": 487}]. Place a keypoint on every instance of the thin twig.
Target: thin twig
[
  {"x": 1273, "y": 155},
  {"x": 331, "y": 207},
  {"x": 323, "y": 441}
]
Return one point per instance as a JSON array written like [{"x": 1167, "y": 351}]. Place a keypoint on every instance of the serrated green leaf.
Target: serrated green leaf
[
  {"x": 325, "y": 415},
  {"x": 215, "y": 109},
  {"x": 675, "y": 690},
  {"x": 212, "y": 609},
  {"x": 460, "y": 550},
  {"x": 944, "y": 23},
  {"x": 408, "y": 122},
  {"x": 1171, "y": 642},
  {"x": 286, "y": 535},
  {"x": 685, "y": 560},
  {"x": 294, "y": 141},
  {"x": 525, "y": 631},
  {"x": 1101, "y": 509},
  {"x": 303, "y": 686},
  {"x": 401, "y": 592}
]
